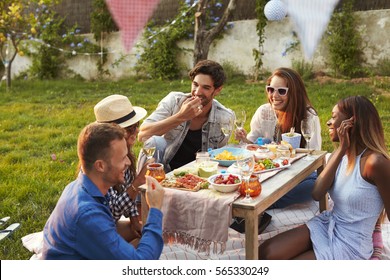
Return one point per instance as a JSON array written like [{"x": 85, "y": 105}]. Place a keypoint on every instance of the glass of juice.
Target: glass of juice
[{"x": 156, "y": 170}]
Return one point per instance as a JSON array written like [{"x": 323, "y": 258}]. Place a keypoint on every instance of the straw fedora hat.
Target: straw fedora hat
[{"x": 118, "y": 109}]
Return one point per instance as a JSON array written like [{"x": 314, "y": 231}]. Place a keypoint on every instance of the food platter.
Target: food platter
[
  {"x": 273, "y": 169},
  {"x": 277, "y": 165},
  {"x": 185, "y": 182},
  {"x": 234, "y": 153}
]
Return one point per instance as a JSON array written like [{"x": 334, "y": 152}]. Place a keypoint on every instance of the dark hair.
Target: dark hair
[
  {"x": 298, "y": 102},
  {"x": 368, "y": 129},
  {"x": 211, "y": 68},
  {"x": 133, "y": 163},
  {"x": 94, "y": 142}
]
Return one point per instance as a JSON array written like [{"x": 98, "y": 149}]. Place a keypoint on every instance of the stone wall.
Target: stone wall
[{"x": 237, "y": 45}]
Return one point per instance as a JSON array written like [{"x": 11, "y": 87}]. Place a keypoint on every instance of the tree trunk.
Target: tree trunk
[
  {"x": 9, "y": 56},
  {"x": 203, "y": 37},
  {"x": 8, "y": 74}
]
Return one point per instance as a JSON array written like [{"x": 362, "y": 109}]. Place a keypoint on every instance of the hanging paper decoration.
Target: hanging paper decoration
[
  {"x": 310, "y": 17},
  {"x": 131, "y": 17},
  {"x": 275, "y": 10}
]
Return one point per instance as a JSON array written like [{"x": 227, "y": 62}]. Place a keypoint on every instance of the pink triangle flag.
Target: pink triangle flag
[
  {"x": 310, "y": 17},
  {"x": 131, "y": 17}
]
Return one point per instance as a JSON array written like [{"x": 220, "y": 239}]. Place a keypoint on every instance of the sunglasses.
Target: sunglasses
[
  {"x": 132, "y": 128},
  {"x": 281, "y": 90}
]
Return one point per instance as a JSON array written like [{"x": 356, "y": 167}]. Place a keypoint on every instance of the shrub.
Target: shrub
[
  {"x": 304, "y": 69},
  {"x": 345, "y": 42},
  {"x": 231, "y": 70},
  {"x": 383, "y": 67}
]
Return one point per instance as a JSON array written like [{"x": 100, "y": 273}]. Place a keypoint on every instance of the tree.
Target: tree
[
  {"x": 203, "y": 36},
  {"x": 101, "y": 22},
  {"x": 21, "y": 20},
  {"x": 158, "y": 57}
]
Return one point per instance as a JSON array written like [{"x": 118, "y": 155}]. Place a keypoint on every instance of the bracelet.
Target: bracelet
[{"x": 134, "y": 188}]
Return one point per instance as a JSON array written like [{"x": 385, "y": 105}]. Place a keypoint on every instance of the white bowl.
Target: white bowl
[{"x": 224, "y": 188}]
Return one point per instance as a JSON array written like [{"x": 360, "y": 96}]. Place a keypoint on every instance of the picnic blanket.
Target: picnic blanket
[{"x": 282, "y": 220}]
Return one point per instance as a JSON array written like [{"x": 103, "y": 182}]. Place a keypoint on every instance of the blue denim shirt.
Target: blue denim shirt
[
  {"x": 81, "y": 227},
  {"x": 212, "y": 136}
]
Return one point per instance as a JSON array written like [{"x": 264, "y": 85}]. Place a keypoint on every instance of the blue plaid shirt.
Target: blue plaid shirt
[
  {"x": 81, "y": 227},
  {"x": 120, "y": 202}
]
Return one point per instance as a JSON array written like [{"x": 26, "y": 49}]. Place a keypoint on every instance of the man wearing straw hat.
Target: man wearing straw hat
[
  {"x": 185, "y": 123},
  {"x": 118, "y": 109},
  {"x": 81, "y": 224}
]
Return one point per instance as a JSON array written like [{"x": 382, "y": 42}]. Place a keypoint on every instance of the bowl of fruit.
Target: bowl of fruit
[{"x": 225, "y": 182}]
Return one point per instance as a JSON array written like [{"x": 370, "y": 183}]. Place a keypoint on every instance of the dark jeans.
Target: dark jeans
[{"x": 301, "y": 193}]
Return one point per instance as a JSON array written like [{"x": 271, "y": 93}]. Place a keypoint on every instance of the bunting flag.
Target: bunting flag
[
  {"x": 311, "y": 18},
  {"x": 131, "y": 16}
]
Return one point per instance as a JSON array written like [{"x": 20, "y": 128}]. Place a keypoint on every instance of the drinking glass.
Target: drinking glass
[
  {"x": 307, "y": 130},
  {"x": 283, "y": 152},
  {"x": 156, "y": 170},
  {"x": 246, "y": 167},
  {"x": 148, "y": 149},
  {"x": 240, "y": 121},
  {"x": 226, "y": 129}
]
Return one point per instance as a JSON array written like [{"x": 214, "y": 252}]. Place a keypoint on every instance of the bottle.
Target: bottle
[{"x": 259, "y": 141}]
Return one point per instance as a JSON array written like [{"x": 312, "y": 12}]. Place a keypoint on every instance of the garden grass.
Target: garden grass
[{"x": 42, "y": 119}]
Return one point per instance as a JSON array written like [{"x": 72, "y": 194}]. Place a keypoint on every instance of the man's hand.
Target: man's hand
[
  {"x": 240, "y": 134},
  {"x": 190, "y": 108},
  {"x": 154, "y": 193}
]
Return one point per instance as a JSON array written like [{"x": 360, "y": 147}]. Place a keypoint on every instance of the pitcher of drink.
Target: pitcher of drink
[{"x": 254, "y": 187}]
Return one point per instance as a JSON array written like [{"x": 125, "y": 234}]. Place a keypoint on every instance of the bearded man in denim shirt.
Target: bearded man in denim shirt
[{"x": 186, "y": 123}]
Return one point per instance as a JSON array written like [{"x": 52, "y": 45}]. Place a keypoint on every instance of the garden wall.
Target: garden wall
[{"x": 237, "y": 45}]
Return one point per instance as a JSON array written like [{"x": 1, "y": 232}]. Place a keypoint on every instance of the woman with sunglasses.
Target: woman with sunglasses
[
  {"x": 288, "y": 104},
  {"x": 357, "y": 178},
  {"x": 122, "y": 198}
]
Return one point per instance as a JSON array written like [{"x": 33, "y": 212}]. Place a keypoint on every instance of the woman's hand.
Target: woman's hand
[
  {"x": 140, "y": 179},
  {"x": 344, "y": 133},
  {"x": 136, "y": 225}
]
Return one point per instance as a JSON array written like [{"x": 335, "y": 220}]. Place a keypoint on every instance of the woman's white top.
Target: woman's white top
[{"x": 264, "y": 121}]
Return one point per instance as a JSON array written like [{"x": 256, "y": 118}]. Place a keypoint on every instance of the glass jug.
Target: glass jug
[{"x": 254, "y": 186}]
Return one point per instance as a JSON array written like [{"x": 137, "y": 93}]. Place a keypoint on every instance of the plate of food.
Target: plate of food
[
  {"x": 267, "y": 164},
  {"x": 225, "y": 182},
  {"x": 185, "y": 181},
  {"x": 226, "y": 156}
]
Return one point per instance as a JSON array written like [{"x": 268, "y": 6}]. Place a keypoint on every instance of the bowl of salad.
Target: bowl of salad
[{"x": 225, "y": 182}]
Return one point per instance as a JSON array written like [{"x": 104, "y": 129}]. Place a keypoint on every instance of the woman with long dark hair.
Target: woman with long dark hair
[
  {"x": 288, "y": 104},
  {"x": 357, "y": 178}
]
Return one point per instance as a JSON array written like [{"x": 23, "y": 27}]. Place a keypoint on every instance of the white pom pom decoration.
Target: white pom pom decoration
[{"x": 275, "y": 10}]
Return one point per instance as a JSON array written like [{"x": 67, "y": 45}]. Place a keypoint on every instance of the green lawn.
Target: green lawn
[{"x": 38, "y": 119}]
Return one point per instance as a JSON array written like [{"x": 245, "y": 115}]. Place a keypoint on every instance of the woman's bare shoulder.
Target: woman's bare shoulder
[{"x": 376, "y": 166}]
